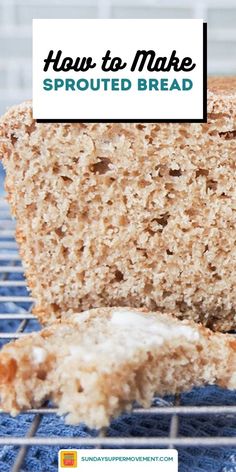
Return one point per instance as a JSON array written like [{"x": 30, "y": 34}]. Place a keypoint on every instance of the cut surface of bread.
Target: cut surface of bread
[
  {"x": 96, "y": 364},
  {"x": 127, "y": 214}
]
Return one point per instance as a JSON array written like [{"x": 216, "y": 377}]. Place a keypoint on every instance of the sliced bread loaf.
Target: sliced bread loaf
[{"x": 127, "y": 214}]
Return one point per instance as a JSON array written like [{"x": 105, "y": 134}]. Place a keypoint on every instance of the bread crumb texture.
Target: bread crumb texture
[
  {"x": 130, "y": 356},
  {"x": 127, "y": 214}
]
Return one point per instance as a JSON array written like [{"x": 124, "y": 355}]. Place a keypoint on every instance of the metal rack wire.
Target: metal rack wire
[{"x": 10, "y": 266}]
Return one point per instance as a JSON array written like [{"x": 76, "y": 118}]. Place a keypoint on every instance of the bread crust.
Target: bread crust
[{"x": 223, "y": 86}]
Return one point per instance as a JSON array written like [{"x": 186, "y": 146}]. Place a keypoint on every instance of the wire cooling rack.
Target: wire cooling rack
[{"x": 17, "y": 306}]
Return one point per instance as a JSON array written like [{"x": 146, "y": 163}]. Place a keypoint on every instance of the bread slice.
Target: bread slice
[
  {"x": 96, "y": 364},
  {"x": 127, "y": 214}
]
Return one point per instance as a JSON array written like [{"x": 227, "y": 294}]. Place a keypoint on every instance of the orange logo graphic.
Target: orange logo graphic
[{"x": 68, "y": 458}]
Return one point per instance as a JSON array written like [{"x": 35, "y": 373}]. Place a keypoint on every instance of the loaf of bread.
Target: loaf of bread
[
  {"x": 95, "y": 364},
  {"x": 127, "y": 214}
]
